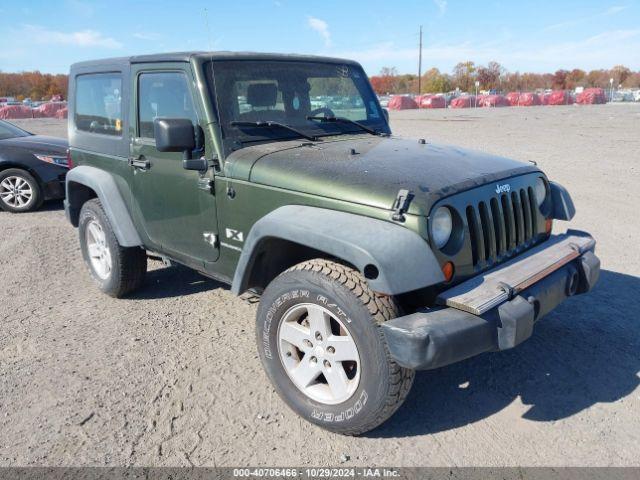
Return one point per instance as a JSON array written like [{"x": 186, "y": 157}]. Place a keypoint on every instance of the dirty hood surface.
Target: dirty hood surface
[{"x": 374, "y": 171}]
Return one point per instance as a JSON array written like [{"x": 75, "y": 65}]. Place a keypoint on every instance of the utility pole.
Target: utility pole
[{"x": 420, "y": 63}]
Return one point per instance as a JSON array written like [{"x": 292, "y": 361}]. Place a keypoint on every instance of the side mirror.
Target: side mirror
[
  {"x": 178, "y": 135},
  {"x": 385, "y": 112}
]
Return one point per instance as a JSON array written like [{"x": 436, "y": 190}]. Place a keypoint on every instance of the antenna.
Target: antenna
[
  {"x": 208, "y": 27},
  {"x": 420, "y": 62},
  {"x": 206, "y": 24}
]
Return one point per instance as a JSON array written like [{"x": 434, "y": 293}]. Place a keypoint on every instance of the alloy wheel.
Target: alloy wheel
[
  {"x": 99, "y": 252},
  {"x": 16, "y": 192},
  {"x": 319, "y": 354}
]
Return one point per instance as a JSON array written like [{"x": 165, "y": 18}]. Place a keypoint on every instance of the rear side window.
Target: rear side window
[
  {"x": 163, "y": 95},
  {"x": 98, "y": 106}
]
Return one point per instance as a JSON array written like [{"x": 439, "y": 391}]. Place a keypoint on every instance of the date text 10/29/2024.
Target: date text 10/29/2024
[{"x": 316, "y": 473}]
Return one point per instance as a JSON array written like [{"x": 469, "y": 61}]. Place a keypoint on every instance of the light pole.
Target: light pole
[
  {"x": 476, "y": 99},
  {"x": 611, "y": 90}
]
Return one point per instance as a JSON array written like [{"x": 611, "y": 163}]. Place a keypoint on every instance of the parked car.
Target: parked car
[
  {"x": 32, "y": 168},
  {"x": 372, "y": 255}
]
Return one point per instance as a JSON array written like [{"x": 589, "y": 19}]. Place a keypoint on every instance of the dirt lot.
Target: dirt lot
[{"x": 171, "y": 376}]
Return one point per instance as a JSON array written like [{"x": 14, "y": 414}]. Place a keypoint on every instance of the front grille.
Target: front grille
[{"x": 502, "y": 225}]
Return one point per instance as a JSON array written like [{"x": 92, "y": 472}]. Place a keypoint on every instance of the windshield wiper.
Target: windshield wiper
[
  {"x": 346, "y": 120},
  {"x": 270, "y": 124}
]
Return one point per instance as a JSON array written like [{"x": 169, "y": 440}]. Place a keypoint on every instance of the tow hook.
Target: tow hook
[{"x": 573, "y": 281}]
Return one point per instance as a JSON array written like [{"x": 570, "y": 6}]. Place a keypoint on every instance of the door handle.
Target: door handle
[{"x": 140, "y": 162}]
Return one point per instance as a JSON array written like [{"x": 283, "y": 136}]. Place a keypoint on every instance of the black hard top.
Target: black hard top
[{"x": 203, "y": 56}]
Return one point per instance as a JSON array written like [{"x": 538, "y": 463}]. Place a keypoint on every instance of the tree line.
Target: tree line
[
  {"x": 494, "y": 76},
  {"x": 34, "y": 85}
]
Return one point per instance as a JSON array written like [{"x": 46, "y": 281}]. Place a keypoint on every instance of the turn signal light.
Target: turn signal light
[
  {"x": 548, "y": 225},
  {"x": 447, "y": 270}
]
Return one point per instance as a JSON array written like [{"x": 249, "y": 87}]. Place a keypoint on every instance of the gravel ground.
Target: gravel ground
[{"x": 171, "y": 376}]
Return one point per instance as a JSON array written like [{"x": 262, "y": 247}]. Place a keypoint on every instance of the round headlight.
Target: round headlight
[
  {"x": 541, "y": 191},
  {"x": 441, "y": 226}
]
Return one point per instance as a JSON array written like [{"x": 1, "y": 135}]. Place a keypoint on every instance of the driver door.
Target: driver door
[{"x": 177, "y": 214}]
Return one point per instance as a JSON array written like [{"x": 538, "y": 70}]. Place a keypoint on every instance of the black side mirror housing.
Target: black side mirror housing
[{"x": 178, "y": 135}]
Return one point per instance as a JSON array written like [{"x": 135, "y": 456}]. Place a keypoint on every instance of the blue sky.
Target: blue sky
[{"x": 523, "y": 35}]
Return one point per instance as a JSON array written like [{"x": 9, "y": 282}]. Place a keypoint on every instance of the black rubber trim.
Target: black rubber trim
[
  {"x": 403, "y": 259},
  {"x": 104, "y": 185},
  {"x": 563, "y": 208},
  {"x": 437, "y": 337}
]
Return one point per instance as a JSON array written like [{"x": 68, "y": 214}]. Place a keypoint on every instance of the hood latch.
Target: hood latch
[{"x": 401, "y": 204}]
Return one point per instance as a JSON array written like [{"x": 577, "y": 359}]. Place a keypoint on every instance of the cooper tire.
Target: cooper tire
[
  {"x": 117, "y": 270},
  {"x": 19, "y": 191},
  {"x": 344, "y": 297}
]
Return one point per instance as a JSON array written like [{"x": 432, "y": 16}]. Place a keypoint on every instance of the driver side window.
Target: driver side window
[{"x": 163, "y": 95}]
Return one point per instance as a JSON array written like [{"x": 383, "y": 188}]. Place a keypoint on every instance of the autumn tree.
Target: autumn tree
[
  {"x": 433, "y": 81},
  {"x": 464, "y": 75},
  {"x": 385, "y": 82},
  {"x": 620, "y": 73},
  {"x": 35, "y": 85},
  {"x": 560, "y": 79},
  {"x": 576, "y": 78},
  {"x": 490, "y": 76}
]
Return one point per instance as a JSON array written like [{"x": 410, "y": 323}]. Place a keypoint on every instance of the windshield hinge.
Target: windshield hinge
[
  {"x": 401, "y": 204},
  {"x": 205, "y": 183},
  {"x": 214, "y": 162}
]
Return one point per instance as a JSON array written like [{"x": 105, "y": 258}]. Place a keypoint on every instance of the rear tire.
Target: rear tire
[
  {"x": 117, "y": 270},
  {"x": 320, "y": 342},
  {"x": 19, "y": 191}
]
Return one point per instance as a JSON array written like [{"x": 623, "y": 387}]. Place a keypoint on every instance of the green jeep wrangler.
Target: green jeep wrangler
[{"x": 373, "y": 256}]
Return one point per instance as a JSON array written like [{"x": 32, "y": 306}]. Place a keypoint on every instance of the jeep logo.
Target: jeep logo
[{"x": 503, "y": 188}]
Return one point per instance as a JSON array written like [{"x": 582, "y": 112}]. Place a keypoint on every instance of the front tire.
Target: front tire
[
  {"x": 19, "y": 191},
  {"x": 320, "y": 342},
  {"x": 117, "y": 270}
]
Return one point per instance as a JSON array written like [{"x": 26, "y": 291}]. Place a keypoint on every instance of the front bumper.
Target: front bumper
[{"x": 439, "y": 336}]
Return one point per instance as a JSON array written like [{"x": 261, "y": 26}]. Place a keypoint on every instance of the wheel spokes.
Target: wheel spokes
[
  {"x": 93, "y": 250},
  {"x": 345, "y": 348},
  {"x": 107, "y": 260},
  {"x": 95, "y": 232},
  {"x": 305, "y": 373},
  {"x": 16, "y": 192},
  {"x": 295, "y": 334},
  {"x": 97, "y": 249},
  {"x": 337, "y": 379},
  {"x": 319, "y": 321},
  {"x": 318, "y": 369}
]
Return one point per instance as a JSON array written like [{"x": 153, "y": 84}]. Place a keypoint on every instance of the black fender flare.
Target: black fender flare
[
  {"x": 563, "y": 208},
  {"x": 402, "y": 259},
  {"x": 106, "y": 189}
]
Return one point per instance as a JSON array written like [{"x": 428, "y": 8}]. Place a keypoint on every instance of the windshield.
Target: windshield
[
  {"x": 8, "y": 130},
  {"x": 288, "y": 92}
]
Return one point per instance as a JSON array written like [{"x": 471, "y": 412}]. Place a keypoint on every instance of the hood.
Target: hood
[
  {"x": 37, "y": 144},
  {"x": 371, "y": 170}
]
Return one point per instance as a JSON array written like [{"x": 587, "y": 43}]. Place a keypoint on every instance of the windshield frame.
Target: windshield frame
[
  {"x": 233, "y": 141},
  {"x": 17, "y": 131}
]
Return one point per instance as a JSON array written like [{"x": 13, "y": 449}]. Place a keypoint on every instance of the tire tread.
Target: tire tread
[
  {"x": 132, "y": 260},
  {"x": 382, "y": 308}
]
